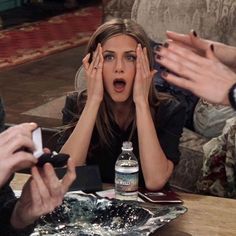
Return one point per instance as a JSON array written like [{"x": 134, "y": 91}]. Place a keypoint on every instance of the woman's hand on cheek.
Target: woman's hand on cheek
[
  {"x": 93, "y": 72},
  {"x": 143, "y": 77}
]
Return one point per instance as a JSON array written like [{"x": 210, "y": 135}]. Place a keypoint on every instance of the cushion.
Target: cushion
[
  {"x": 187, "y": 172},
  {"x": 210, "y": 119},
  {"x": 210, "y": 19}
]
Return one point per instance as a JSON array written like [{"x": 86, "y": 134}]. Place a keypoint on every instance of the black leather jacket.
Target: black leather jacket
[{"x": 7, "y": 204}]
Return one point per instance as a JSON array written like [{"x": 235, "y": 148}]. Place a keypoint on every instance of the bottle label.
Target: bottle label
[{"x": 126, "y": 182}]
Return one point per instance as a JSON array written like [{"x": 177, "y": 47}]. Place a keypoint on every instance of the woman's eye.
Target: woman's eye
[
  {"x": 131, "y": 57},
  {"x": 108, "y": 57}
]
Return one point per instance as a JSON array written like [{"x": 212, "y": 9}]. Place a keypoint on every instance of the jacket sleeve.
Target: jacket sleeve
[{"x": 7, "y": 204}]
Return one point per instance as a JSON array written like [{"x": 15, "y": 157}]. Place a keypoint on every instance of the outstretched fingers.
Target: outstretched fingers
[
  {"x": 145, "y": 62},
  {"x": 177, "y": 37},
  {"x": 181, "y": 82},
  {"x": 180, "y": 60},
  {"x": 191, "y": 40},
  {"x": 85, "y": 61}
]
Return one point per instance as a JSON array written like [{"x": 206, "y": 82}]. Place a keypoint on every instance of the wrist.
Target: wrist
[
  {"x": 142, "y": 108},
  {"x": 141, "y": 104},
  {"x": 18, "y": 220},
  {"x": 93, "y": 102}
]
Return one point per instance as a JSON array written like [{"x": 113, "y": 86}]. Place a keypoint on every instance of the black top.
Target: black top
[
  {"x": 168, "y": 131},
  {"x": 169, "y": 121}
]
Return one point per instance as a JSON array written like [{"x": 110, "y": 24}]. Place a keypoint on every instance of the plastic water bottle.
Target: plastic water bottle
[{"x": 126, "y": 174}]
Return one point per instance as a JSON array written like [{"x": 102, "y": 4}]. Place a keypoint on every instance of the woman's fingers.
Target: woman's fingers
[
  {"x": 180, "y": 60},
  {"x": 177, "y": 37},
  {"x": 210, "y": 54},
  {"x": 144, "y": 62},
  {"x": 190, "y": 41},
  {"x": 85, "y": 61},
  {"x": 181, "y": 82},
  {"x": 138, "y": 62},
  {"x": 94, "y": 64},
  {"x": 100, "y": 63}
]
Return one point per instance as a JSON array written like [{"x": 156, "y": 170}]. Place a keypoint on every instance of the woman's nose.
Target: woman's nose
[{"x": 119, "y": 66}]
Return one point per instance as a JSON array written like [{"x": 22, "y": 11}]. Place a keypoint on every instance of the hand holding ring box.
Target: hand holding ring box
[{"x": 56, "y": 159}]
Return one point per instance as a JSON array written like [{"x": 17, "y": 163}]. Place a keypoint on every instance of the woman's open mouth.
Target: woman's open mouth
[{"x": 119, "y": 85}]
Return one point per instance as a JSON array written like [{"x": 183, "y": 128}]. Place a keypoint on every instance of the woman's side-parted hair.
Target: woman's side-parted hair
[{"x": 106, "y": 31}]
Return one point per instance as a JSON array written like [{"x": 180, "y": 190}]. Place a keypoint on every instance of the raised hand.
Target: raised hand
[
  {"x": 41, "y": 194},
  {"x": 93, "y": 72},
  {"x": 143, "y": 77},
  {"x": 13, "y": 157},
  {"x": 206, "y": 77},
  {"x": 225, "y": 53}
]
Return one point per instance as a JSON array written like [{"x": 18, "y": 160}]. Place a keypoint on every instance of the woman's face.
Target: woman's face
[{"x": 119, "y": 67}]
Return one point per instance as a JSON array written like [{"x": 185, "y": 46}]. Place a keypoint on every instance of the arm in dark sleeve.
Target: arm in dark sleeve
[
  {"x": 170, "y": 129},
  {"x": 7, "y": 204}
]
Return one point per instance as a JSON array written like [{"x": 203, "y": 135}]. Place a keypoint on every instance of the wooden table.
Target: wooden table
[{"x": 206, "y": 215}]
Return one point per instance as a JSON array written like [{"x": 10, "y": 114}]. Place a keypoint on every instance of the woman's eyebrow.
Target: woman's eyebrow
[
  {"x": 110, "y": 51},
  {"x": 130, "y": 51}
]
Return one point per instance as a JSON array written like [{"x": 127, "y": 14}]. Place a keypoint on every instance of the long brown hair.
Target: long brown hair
[{"x": 107, "y": 30}]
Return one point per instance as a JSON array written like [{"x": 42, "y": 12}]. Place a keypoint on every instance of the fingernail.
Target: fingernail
[
  {"x": 164, "y": 73},
  {"x": 33, "y": 124},
  {"x": 158, "y": 48},
  {"x": 158, "y": 57},
  {"x": 194, "y": 33},
  {"x": 212, "y": 47},
  {"x": 166, "y": 45}
]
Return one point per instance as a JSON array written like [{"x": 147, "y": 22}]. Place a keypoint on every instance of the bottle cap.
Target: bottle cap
[{"x": 127, "y": 146}]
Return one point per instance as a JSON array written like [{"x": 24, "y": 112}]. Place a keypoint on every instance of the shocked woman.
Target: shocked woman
[{"x": 121, "y": 103}]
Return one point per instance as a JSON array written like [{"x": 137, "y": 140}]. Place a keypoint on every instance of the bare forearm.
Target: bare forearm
[
  {"x": 78, "y": 143},
  {"x": 155, "y": 166}
]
